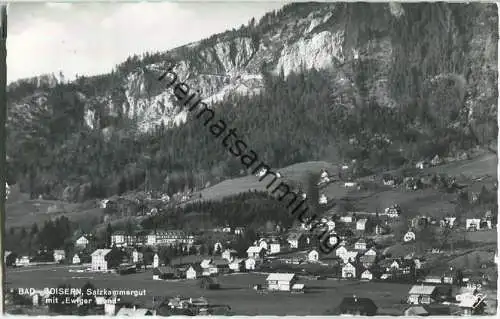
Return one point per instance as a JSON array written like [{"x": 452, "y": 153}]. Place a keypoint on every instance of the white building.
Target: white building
[
  {"x": 137, "y": 257},
  {"x": 366, "y": 275},
  {"x": 275, "y": 248},
  {"x": 350, "y": 184},
  {"x": 82, "y": 242},
  {"x": 59, "y": 255},
  {"x": 280, "y": 281},
  {"x": 76, "y": 259},
  {"x": 99, "y": 262},
  {"x": 23, "y": 261},
  {"x": 236, "y": 265},
  {"x": 323, "y": 200},
  {"x": 250, "y": 264},
  {"x": 360, "y": 244},
  {"x": 473, "y": 223},
  {"x": 263, "y": 244},
  {"x": 341, "y": 252},
  {"x": 118, "y": 239},
  {"x": 331, "y": 225},
  {"x": 217, "y": 247},
  {"x": 348, "y": 271},
  {"x": 371, "y": 252},
  {"x": 156, "y": 261},
  {"x": 313, "y": 256},
  {"x": 347, "y": 219},
  {"x": 255, "y": 252},
  {"x": 350, "y": 256},
  {"x": 191, "y": 273},
  {"x": 361, "y": 224},
  {"x": 409, "y": 236},
  {"x": 229, "y": 254}
]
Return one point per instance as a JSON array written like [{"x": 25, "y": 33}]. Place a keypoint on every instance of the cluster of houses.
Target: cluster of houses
[{"x": 153, "y": 238}]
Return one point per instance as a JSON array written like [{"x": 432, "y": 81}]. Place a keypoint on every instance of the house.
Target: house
[
  {"x": 76, "y": 260},
  {"x": 371, "y": 252},
  {"x": 229, "y": 254},
  {"x": 239, "y": 230},
  {"x": 99, "y": 260},
  {"x": 348, "y": 271},
  {"x": 331, "y": 225},
  {"x": 350, "y": 184},
  {"x": 137, "y": 257},
  {"x": 420, "y": 294},
  {"x": 217, "y": 247},
  {"x": 393, "y": 211},
  {"x": 361, "y": 224},
  {"x": 298, "y": 288},
  {"x": 433, "y": 280},
  {"x": 226, "y": 229},
  {"x": 236, "y": 265},
  {"x": 472, "y": 224},
  {"x": 324, "y": 178},
  {"x": 450, "y": 221},
  {"x": 280, "y": 281},
  {"x": 256, "y": 252},
  {"x": 409, "y": 236},
  {"x": 250, "y": 264},
  {"x": 360, "y": 244},
  {"x": 193, "y": 272},
  {"x": 341, "y": 251},
  {"x": 350, "y": 256},
  {"x": 323, "y": 200},
  {"x": 347, "y": 219},
  {"x": 156, "y": 261},
  {"x": 263, "y": 244},
  {"x": 59, "y": 255},
  {"x": 421, "y": 165},
  {"x": 436, "y": 160},
  {"x": 82, "y": 242},
  {"x": 23, "y": 261},
  {"x": 357, "y": 307},
  {"x": 366, "y": 275},
  {"x": 313, "y": 256},
  {"x": 403, "y": 266},
  {"x": 388, "y": 180},
  {"x": 296, "y": 240},
  {"x": 162, "y": 273},
  {"x": 368, "y": 260},
  {"x": 275, "y": 247}
]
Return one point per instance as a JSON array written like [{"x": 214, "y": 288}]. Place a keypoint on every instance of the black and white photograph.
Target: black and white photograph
[{"x": 249, "y": 158}]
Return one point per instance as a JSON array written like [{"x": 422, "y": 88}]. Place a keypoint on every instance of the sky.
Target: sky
[{"x": 92, "y": 38}]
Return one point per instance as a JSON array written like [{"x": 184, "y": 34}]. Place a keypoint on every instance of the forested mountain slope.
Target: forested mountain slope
[{"x": 386, "y": 84}]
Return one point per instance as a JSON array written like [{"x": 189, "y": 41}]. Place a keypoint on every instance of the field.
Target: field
[
  {"x": 297, "y": 172},
  {"x": 323, "y": 295}
]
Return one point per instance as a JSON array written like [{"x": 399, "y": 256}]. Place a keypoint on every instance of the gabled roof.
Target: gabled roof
[
  {"x": 280, "y": 276},
  {"x": 254, "y": 249},
  {"x": 422, "y": 290},
  {"x": 59, "y": 251},
  {"x": 100, "y": 252},
  {"x": 294, "y": 236}
]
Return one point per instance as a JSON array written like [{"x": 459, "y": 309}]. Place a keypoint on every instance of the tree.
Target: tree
[
  {"x": 109, "y": 232},
  {"x": 34, "y": 229}
]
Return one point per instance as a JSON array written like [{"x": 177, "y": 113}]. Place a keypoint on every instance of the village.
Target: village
[{"x": 368, "y": 252}]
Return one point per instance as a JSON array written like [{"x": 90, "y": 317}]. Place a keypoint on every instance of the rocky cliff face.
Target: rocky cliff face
[{"x": 302, "y": 36}]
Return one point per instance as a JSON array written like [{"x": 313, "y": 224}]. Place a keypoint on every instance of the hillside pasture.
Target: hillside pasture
[
  {"x": 484, "y": 165},
  {"x": 297, "y": 173}
]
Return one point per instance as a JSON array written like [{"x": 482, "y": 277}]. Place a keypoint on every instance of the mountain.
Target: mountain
[{"x": 383, "y": 83}]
